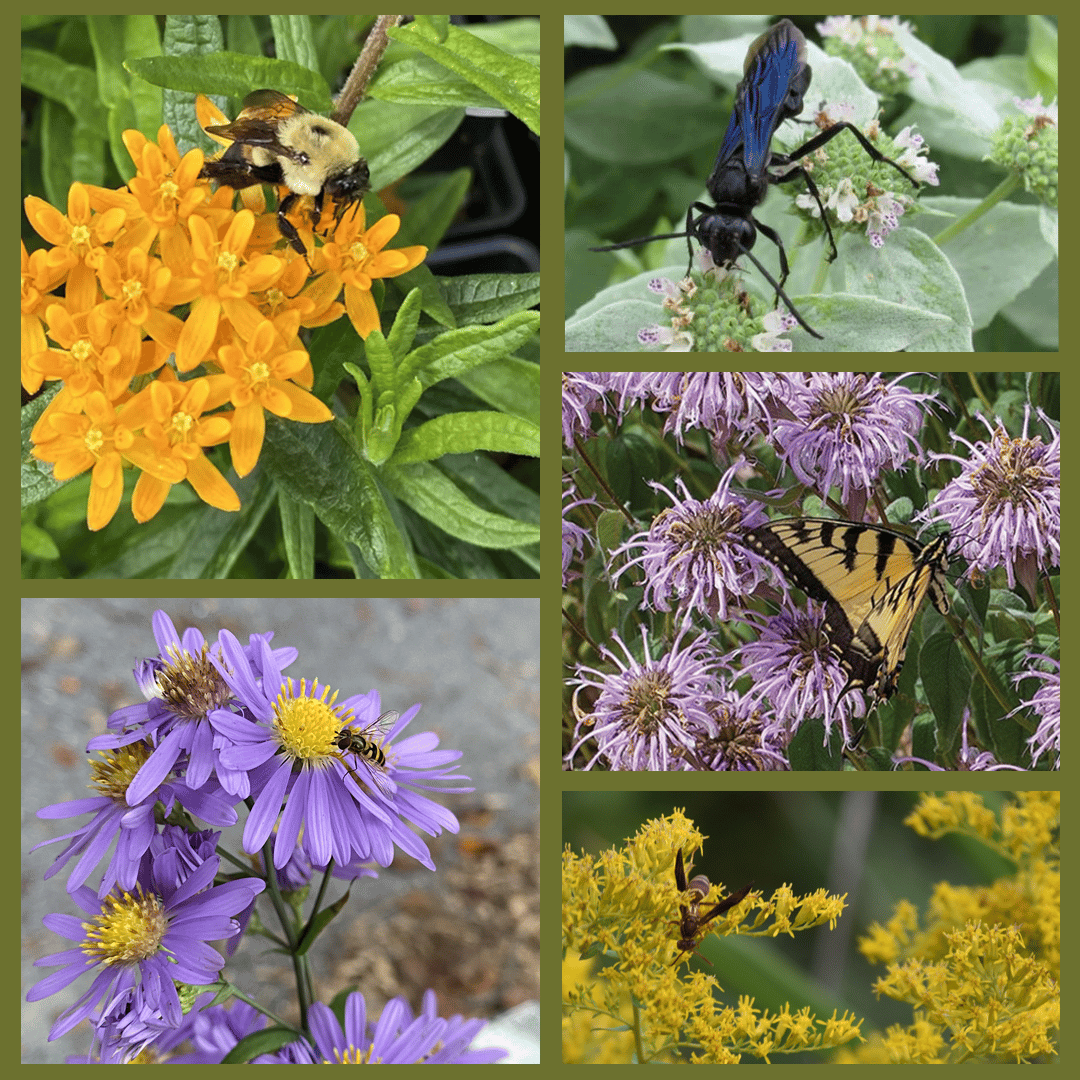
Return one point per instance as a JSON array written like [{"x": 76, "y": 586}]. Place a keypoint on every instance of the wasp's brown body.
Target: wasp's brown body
[{"x": 691, "y": 921}]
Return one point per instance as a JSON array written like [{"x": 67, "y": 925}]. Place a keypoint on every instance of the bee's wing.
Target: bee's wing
[
  {"x": 270, "y": 105},
  {"x": 252, "y": 131},
  {"x": 378, "y": 728}
]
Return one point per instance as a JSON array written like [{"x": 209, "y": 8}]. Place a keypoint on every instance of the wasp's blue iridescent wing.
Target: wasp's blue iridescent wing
[{"x": 776, "y": 77}]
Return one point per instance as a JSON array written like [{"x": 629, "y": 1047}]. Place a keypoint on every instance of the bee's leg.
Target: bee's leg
[
  {"x": 288, "y": 230},
  {"x": 316, "y": 210}
]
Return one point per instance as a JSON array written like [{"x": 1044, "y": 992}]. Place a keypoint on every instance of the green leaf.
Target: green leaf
[
  {"x": 458, "y": 351},
  {"x": 319, "y": 464},
  {"x": 486, "y": 298},
  {"x": 298, "y": 532},
  {"x": 493, "y": 488},
  {"x": 459, "y": 433},
  {"x": 37, "y": 543},
  {"x": 234, "y": 75},
  {"x": 512, "y": 82},
  {"x": 509, "y": 385},
  {"x": 406, "y": 321},
  {"x": 261, "y": 1042},
  {"x": 315, "y": 926},
  {"x": 434, "y": 497},
  {"x": 71, "y": 85},
  {"x": 805, "y": 751}
]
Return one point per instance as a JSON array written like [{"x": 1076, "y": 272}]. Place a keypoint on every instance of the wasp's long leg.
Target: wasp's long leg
[
  {"x": 798, "y": 170},
  {"x": 830, "y": 133},
  {"x": 773, "y": 282}
]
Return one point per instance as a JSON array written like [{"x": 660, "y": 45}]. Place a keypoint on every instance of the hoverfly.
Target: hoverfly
[
  {"x": 365, "y": 744},
  {"x": 691, "y": 922},
  {"x": 776, "y": 76}
]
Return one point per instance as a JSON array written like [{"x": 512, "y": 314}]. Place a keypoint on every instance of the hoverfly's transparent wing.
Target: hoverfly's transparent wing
[
  {"x": 370, "y": 773},
  {"x": 383, "y": 724}
]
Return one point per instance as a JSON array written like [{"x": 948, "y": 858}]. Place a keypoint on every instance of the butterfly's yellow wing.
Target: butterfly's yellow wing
[{"x": 872, "y": 581}]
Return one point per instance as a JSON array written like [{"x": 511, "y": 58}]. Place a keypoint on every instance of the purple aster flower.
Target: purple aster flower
[
  {"x": 146, "y": 942},
  {"x": 845, "y": 428},
  {"x": 396, "y": 1038},
  {"x": 647, "y": 712},
  {"x": 133, "y": 828},
  {"x": 693, "y": 551},
  {"x": 1046, "y": 704},
  {"x": 334, "y": 766},
  {"x": 1005, "y": 506},
  {"x": 796, "y": 670},
  {"x": 182, "y": 686},
  {"x": 214, "y": 1031}
]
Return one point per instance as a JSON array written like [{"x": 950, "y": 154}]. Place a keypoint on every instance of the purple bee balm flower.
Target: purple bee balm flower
[
  {"x": 144, "y": 943},
  {"x": 693, "y": 552},
  {"x": 582, "y": 394},
  {"x": 647, "y": 713},
  {"x": 1005, "y": 506},
  {"x": 797, "y": 673},
  {"x": 845, "y": 428},
  {"x": 1045, "y": 703},
  {"x": 334, "y": 767},
  {"x": 396, "y": 1038},
  {"x": 182, "y": 686}
]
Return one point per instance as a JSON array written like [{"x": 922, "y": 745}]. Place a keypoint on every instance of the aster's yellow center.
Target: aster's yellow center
[
  {"x": 117, "y": 768},
  {"x": 129, "y": 929},
  {"x": 351, "y": 1056},
  {"x": 307, "y": 720}
]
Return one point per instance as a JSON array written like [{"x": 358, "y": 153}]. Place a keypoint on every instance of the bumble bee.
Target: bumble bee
[
  {"x": 361, "y": 742},
  {"x": 276, "y": 141}
]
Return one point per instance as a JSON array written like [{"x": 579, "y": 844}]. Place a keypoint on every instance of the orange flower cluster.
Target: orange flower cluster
[{"x": 127, "y": 260}]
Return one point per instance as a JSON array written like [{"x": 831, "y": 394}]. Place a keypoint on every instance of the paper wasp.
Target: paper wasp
[
  {"x": 691, "y": 921},
  {"x": 775, "y": 79}
]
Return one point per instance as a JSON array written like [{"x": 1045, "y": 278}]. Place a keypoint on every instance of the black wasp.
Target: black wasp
[
  {"x": 691, "y": 920},
  {"x": 775, "y": 78}
]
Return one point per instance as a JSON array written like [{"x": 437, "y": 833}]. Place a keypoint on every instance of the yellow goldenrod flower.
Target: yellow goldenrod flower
[
  {"x": 981, "y": 970},
  {"x": 623, "y": 906}
]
